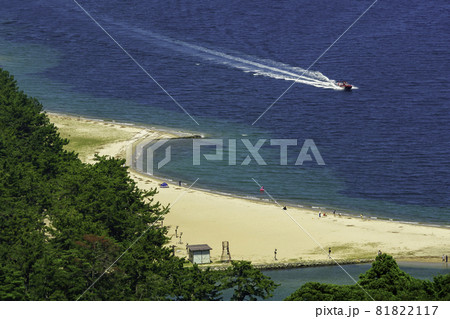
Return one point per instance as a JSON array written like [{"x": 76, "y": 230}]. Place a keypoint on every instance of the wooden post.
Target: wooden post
[{"x": 226, "y": 257}]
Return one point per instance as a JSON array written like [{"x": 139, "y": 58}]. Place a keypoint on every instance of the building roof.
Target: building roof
[{"x": 199, "y": 247}]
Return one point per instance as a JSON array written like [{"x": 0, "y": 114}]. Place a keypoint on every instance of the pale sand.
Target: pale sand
[
  {"x": 89, "y": 137},
  {"x": 254, "y": 229}
]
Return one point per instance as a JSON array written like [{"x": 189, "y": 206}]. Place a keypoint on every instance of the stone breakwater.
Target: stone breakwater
[{"x": 281, "y": 265}]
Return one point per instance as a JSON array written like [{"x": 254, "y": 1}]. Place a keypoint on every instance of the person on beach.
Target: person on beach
[
  {"x": 443, "y": 257},
  {"x": 329, "y": 252},
  {"x": 446, "y": 258},
  {"x": 275, "y": 254},
  {"x": 379, "y": 252},
  {"x": 334, "y": 212},
  {"x": 320, "y": 214}
]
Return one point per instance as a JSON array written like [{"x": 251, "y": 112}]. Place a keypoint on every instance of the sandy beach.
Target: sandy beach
[
  {"x": 255, "y": 229},
  {"x": 89, "y": 137}
]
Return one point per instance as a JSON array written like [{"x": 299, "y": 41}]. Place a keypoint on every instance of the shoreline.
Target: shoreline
[
  {"x": 352, "y": 214},
  {"x": 96, "y": 136},
  {"x": 167, "y": 133},
  {"x": 315, "y": 209},
  {"x": 413, "y": 262},
  {"x": 255, "y": 227},
  {"x": 298, "y": 265},
  {"x": 161, "y": 129}
]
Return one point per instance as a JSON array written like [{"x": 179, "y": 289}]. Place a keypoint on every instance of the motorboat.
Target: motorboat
[{"x": 344, "y": 85}]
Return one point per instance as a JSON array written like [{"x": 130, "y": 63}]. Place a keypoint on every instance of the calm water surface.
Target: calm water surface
[{"x": 386, "y": 145}]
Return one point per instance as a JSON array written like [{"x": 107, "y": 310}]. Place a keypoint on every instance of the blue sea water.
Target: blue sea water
[
  {"x": 386, "y": 144},
  {"x": 292, "y": 279}
]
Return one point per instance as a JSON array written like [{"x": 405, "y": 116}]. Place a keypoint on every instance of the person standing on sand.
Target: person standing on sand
[
  {"x": 446, "y": 258},
  {"x": 329, "y": 252},
  {"x": 275, "y": 254},
  {"x": 443, "y": 257}
]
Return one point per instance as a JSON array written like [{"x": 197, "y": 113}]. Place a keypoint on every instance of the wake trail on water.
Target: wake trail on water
[{"x": 249, "y": 64}]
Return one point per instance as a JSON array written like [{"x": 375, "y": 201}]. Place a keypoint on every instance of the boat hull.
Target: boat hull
[{"x": 344, "y": 85}]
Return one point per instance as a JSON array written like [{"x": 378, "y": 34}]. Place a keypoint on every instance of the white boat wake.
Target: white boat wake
[{"x": 259, "y": 67}]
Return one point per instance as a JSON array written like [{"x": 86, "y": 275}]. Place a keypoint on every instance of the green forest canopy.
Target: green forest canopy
[
  {"x": 64, "y": 222},
  {"x": 384, "y": 281}
]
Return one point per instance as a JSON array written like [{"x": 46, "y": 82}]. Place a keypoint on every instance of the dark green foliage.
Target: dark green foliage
[
  {"x": 248, "y": 282},
  {"x": 200, "y": 284},
  {"x": 384, "y": 281},
  {"x": 66, "y": 224},
  {"x": 385, "y": 275},
  {"x": 314, "y": 291},
  {"x": 63, "y": 222},
  {"x": 441, "y": 287},
  {"x": 13, "y": 287}
]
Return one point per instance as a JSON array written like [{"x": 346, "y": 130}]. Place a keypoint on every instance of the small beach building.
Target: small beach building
[{"x": 199, "y": 254}]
